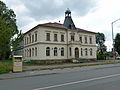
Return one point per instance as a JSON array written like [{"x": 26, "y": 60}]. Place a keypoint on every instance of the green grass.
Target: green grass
[
  {"x": 62, "y": 67},
  {"x": 5, "y": 66}
]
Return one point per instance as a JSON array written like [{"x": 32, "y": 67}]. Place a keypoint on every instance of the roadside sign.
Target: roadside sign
[{"x": 17, "y": 63}]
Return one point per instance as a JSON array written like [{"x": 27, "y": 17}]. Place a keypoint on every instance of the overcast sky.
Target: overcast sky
[{"x": 92, "y": 15}]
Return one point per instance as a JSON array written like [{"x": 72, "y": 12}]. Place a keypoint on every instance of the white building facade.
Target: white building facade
[{"x": 55, "y": 41}]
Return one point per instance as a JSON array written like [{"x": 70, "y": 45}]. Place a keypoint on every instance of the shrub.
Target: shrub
[{"x": 5, "y": 66}]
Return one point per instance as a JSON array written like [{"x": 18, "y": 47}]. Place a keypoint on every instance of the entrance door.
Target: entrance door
[{"x": 76, "y": 52}]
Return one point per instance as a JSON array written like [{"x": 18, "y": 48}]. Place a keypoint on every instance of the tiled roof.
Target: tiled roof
[
  {"x": 58, "y": 25},
  {"x": 85, "y": 31},
  {"x": 54, "y": 25}
]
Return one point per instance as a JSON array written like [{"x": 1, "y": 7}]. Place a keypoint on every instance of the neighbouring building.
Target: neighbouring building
[{"x": 59, "y": 42}]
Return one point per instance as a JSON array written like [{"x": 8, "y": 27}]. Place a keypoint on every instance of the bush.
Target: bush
[{"x": 5, "y": 66}]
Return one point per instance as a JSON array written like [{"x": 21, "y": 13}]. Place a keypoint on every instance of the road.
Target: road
[{"x": 93, "y": 79}]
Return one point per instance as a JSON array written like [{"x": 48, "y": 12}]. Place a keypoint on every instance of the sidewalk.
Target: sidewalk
[{"x": 29, "y": 73}]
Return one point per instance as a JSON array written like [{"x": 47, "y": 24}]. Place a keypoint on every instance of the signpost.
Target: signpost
[{"x": 17, "y": 64}]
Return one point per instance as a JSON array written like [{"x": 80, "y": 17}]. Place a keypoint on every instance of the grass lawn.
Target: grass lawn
[{"x": 5, "y": 66}]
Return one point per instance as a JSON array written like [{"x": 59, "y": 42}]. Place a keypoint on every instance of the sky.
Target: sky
[{"x": 92, "y": 15}]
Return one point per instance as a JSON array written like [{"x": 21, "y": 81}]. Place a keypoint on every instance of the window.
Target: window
[
  {"x": 62, "y": 51},
  {"x": 55, "y": 51},
  {"x": 29, "y": 38},
  {"x": 86, "y": 52},
  {"x": 85, "y": 39},
  {"x": 35, "y": 36},
  {"x": 32, "y": 38},
  {"x": 80, "y": 39},
  {"x": 48, "y": 51},
  {"x": 81, "y": 52},
  {"x": 47, "y": 36},
  {"x": 62, "y": 38},
  {"x": 25, "y": 40},
  {"x": 70, "y": 51},
  {"x": 25, "y": 53},
  {"x": 35, "y": 51},
  {"x": 90, "y": 51},
  {"x": 72, "y": 37},
  {"x": 32, "y": 51},
  {"x": 29, "y": 52},
  {"x": 55, "y": 37},
  {"x": 90, "y": 40}
]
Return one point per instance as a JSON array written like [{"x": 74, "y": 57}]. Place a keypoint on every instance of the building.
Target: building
[{"x": 59, "y": 42}]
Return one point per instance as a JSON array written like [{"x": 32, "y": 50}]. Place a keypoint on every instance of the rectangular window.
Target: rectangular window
[
  {"x": 85, "y": 39},
  {"x": 55, "y": 37},
  {"x": 62, "y": 38},
  {"x": 32, "y": 38},
  {"x": 35, "y": 36},
  {"x": 90, "y": 40},
  {"x": 80, "y": 39},
  {"x": 72, "y": 38},
  {"x": 47, "y": 36},
  {"x": 25, "y": 40},
  {"x": 29, "y": 38}
]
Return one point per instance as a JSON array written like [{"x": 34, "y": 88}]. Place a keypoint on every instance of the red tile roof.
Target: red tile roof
[
  {"x": 58, "y": 25},
  {"x": 54, "y": 25}
]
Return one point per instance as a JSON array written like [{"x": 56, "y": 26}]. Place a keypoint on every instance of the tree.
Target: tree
[
  {"x": 117, "y": 43},
  {"x": 8, "y": 29},
  {"x": 101, "y": 48},
  {"x": 100, "y": 40}
]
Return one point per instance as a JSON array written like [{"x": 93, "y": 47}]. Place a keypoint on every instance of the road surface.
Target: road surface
[{"x": 94, "y": 79}]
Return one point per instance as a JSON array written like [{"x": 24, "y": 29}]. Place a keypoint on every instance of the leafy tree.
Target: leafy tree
[
  {"x": 117, "y": 43},
  {"x": 8, "y": 29},
  {"x": 100, "y": 40},
  {"x": 101, "y": 48}
]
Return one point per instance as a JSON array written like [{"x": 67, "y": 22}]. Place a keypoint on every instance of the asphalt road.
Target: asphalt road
[{"x": 93, "y": 79}]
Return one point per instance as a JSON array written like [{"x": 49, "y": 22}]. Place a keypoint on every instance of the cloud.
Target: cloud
[
  {"x": 40, "y": 9},
  {"x": 28, "y": 11}
]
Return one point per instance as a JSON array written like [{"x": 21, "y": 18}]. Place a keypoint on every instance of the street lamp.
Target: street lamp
[{"x": 113, "y": 34}]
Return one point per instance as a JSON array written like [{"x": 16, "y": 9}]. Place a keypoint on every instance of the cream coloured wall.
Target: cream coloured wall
[{"x": 41, "y": 44}]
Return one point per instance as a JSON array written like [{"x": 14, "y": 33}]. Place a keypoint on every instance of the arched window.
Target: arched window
[
  {"x": 90, "y": 51},
  {"x": 27, "y": 53},
  {"x": 81, "y": 52},
  {"x": 86, "y": 53},
  {"x": 35, "y": 51},
  {"x": 48, "y": 51},
  {"x": 70, "y": 51},
  {"x": 32, "y": 51},
  {"x": 62, "y": 51},
  {"x": 55, "y": 51},
  {"x": 24, "y": 53}
]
